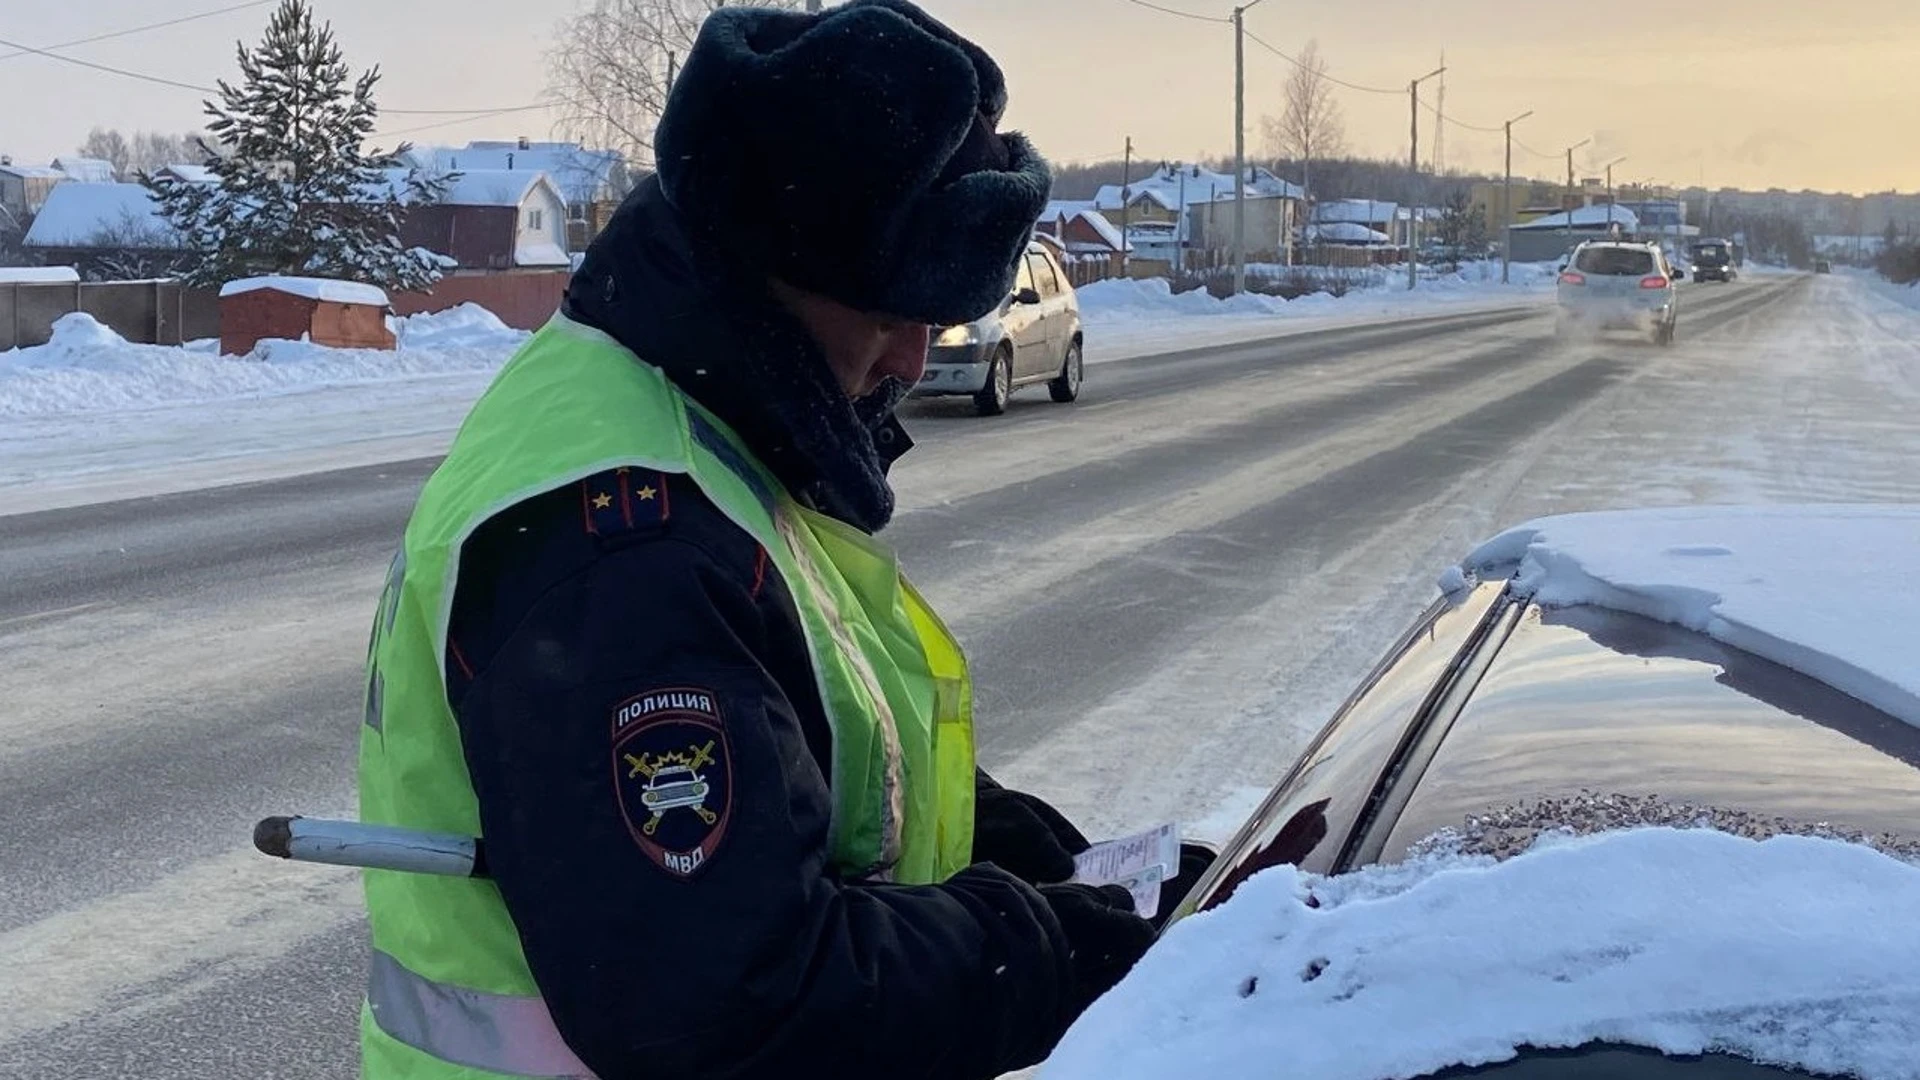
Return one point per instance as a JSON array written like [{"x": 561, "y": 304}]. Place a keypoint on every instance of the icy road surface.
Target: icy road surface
[{"x": 1165, "y": 589}]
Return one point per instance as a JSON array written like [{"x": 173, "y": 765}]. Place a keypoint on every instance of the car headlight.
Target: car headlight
[{"x": 958, "y": 335}]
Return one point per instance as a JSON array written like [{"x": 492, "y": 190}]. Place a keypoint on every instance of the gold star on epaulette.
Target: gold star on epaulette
[
  {"x": 644, "y": 493},
  {"x": 602, "y": 501}
]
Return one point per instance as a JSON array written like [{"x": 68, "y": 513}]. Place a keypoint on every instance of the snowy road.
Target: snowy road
[{"x": 1165, "y": 589}]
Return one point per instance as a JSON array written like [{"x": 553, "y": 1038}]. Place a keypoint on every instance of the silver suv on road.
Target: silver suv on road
[
  {"x": 1032, "y": 337},
  {"x": 1610, "y": 285}
]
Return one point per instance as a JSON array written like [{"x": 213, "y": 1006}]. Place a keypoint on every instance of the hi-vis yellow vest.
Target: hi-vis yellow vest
[{"x": 449, "y": 994}]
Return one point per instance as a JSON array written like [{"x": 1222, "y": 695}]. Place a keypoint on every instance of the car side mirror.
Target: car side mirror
[{"x": 1028, "y": 295}]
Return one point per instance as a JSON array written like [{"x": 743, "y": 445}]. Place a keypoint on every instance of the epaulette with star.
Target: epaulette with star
[{"x": 624, "y": 500}]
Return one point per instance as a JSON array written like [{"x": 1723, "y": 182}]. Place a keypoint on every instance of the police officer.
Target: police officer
[{"x": 640, "y": 636}]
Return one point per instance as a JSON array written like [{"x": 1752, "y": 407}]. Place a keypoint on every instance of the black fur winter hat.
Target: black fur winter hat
[{"x": 852, "y": 153}]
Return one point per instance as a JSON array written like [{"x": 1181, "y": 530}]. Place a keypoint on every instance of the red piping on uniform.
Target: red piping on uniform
[
  {"x": 459, "y": 658},
  {"x": 626, "y": 504},
  {"x": 759, "y": 570},
  {"x": 663, "y": 496},
  {"x": 586, "y": 506}
]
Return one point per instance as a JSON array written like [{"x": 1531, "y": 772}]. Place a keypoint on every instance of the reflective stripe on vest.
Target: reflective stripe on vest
[{"x": 501, "y": 1033}]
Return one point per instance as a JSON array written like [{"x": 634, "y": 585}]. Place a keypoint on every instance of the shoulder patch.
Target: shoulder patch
[
  {"x": 624, "y": 500},
  {"x": 673, "y": 775}
]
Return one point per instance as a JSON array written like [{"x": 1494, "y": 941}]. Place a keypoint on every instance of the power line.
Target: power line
[
  {"x": 141, "y": 29},
  {"x": 111, "y": 70},
  {"x": 1535, "y": 153},
  {"x": 453, "y": 122},
  {"x": 1182, "y": 14},
  {"x": 1255, "y": 38},
  {"x": 475, "y": 113}
]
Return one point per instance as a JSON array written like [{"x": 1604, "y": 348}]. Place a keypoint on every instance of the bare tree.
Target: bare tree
[
  {"x": 1310, "y": 127},
  {"x": 143, "y": 151},
  {"x": 610, "y": 66}
]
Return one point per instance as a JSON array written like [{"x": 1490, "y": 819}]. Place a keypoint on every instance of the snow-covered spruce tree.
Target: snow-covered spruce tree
[{"x": 297, "y": 193}]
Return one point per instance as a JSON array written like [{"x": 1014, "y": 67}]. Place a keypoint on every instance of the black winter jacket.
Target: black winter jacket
[{"x": 575, "y": 608}]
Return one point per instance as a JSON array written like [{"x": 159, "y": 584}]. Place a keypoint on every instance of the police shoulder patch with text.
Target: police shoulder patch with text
[{"x": 673, "y": 775}]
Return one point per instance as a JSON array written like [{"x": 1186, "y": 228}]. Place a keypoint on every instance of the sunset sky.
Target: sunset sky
[{"x": 1760, "y": 94}]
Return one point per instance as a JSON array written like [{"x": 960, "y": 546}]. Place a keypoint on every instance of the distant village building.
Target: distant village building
[
  {"x": 86, "y": 170},
  {"x": 591, "y": 182},
  {"x": 493, "y": 221},
  {"x": 23, "y": 191},
  {"x": 104, "y": 231}
]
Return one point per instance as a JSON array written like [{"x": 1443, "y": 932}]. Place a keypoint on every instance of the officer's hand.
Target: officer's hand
[
  {"x": 1195, "y": 860},
  {"x": 1024, "y": 836},
  {"x": 1104, "y": 933}
]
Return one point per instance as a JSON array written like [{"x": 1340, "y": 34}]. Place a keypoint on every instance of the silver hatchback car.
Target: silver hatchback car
[
  {"x": 1609, "y": 285},
  {"x": 1033, "y": 337}
]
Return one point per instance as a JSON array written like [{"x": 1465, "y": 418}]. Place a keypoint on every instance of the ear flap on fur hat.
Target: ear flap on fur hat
[{"x": 852, "y": 154}]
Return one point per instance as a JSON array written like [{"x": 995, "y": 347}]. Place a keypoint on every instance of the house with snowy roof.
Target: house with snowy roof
[
  {"x": 1552, "y": 235},
  {"x": 591, "y": 182},
  {"x": 104, "y": 230},
  {"x": 1085, "y": 236},
  {"x": 23, "y": 191},
  {"x": 86, "y": 170},
  {"x": 493, "y": 221}
]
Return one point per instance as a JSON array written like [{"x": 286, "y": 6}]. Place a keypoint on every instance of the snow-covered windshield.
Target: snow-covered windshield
[{"x": 1795, "y": 951}]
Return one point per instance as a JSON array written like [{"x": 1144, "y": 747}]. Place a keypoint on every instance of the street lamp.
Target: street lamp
[
  {"x": 1567, "y": 211},
  {"x": 1413, "y": 163},
  {"x": 1506, "y": 203},
  {"x": 1610, "y": 166},
  {"x": 1240, "y": 146}
]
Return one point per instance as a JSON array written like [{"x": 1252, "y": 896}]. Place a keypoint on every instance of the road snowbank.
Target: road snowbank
[
  {"x": 87, "y": 368},
  {"x": 1682, "y": 940}
]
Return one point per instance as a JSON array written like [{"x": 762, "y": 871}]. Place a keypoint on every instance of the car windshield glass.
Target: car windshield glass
[{"x": 1615, "y": 262}]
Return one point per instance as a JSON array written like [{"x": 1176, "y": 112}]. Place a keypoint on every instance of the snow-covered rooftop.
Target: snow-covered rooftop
[
  {"x": 581, "y": 175},
  {"x": 1173, "y": 187},
  {"x": 1346, "y": 232},
  {"x": 81, "y": 215},
  {"x": 192, "y": 174},
  {"x": 1829, "y": 591},
  {"x": 493, "y": 187},
  {"x": 33, "y": 172},
  {"x": 328, "y": 289},
  {"x": 1791, "y": 950},
  {"x": 1356, "y": 211},
  {"x": 38, "y": 275},
  {"x": 1587, "y": 217},
  {"x": 86, "y": 170}
]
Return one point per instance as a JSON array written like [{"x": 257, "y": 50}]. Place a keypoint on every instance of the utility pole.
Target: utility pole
[
  {"x": 1126, "y": 206},
  {"x": 673, "y": 67},
  {"x": 1440, "y": 120},
  {"x": 1506, "y": 203},
  {"x": 1610, "y": 166},
  {"x": 1413, "y": 165},
  {"x": 1567, "y": 210},
  {"x": 1240, "y": 146}
]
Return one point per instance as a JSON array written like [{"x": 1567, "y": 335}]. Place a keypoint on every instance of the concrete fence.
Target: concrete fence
[{"x": 149, "y": 312}]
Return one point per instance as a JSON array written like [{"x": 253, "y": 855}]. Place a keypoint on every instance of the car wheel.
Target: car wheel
[
  {"x": 1066, "y": 386},
  {"x": 991, "y": 400}
]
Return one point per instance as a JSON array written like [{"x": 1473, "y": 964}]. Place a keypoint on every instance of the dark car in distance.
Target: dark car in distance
[
  {"x": 1495, "y": 709},
  {"x": 1712, "y": 260}
]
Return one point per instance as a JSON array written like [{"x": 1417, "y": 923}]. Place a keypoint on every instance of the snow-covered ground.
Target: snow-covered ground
[
  {"x": 1789, "y": 950},
  {"x": 90, "y": 417}
]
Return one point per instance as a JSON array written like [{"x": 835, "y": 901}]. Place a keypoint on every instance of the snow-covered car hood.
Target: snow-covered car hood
[
  {"x": 1832, "y": 592},
  {"x": 1793, "y": 950}
]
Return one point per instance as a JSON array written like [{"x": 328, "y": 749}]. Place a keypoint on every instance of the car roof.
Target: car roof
[
  {"x": 1588, "y": 718},
  {"x": 1637, "y": 245}
]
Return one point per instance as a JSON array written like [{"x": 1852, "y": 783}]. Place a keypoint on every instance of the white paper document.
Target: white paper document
[{"x": 1140, "y": 862}]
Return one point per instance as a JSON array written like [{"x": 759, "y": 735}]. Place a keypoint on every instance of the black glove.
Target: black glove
[
  {"x": 1023, "y": 835},
  {"x": 1105, "y": 935},
  {"x": 1195, "y": 860}
]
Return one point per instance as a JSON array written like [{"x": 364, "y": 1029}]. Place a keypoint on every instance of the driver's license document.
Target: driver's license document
[{"x": 1140, "y": 862}]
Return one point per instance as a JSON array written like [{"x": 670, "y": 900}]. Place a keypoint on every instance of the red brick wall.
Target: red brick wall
[{"x": 523, "y": 301}]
